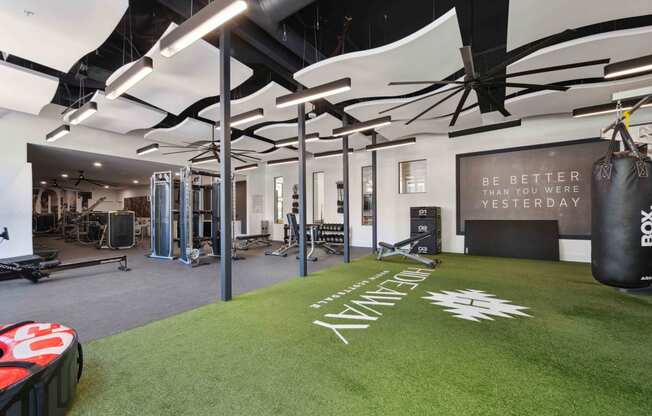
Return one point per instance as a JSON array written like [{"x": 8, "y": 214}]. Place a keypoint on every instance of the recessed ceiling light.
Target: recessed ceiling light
[
  {"x": 44, "y": 183},
  {"x": 64, "y": 175},
  {"x": 106, "y": 186},
  {"x": 135, "y": 181},
  {"x": 177, "y": 174},
  {"x": 97, "y": 164}
]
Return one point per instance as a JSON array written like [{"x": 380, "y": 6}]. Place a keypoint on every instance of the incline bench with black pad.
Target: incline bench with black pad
[
  {"x": 246, "y": 241},
  {"x": 403, "y": 248}
]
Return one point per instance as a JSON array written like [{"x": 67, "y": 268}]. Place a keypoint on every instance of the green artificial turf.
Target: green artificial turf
[{"x": 585, "y": 350}]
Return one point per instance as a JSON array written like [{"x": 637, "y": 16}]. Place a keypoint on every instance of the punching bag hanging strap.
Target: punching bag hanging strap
[{"x": 641, "y": 168}]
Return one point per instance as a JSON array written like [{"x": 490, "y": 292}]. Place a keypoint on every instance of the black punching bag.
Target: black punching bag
[{"x": 621, "y": 216}]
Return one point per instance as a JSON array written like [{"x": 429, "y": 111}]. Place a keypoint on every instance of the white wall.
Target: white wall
[
  {"x": 440, "y": 153},
  {"x": 17, "y": 129}
]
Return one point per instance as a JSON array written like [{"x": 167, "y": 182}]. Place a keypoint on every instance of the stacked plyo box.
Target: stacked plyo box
[{"x": 425, "y": 220}]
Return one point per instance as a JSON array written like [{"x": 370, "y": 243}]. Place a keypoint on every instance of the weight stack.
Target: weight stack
[
  {"x": 425, "y": 220},
  {"x": 121, "y": 229}
]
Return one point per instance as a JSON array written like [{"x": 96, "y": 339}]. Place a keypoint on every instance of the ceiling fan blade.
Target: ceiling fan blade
[
  {"x": 239, "y": 159},
  {"x": 217, "y": 155},
  {"x": 501, "y": 108},
  {"x": 435, "y": 105},
  {"x": 467, "y": 58},
  {"x": 536, "y": 87},
  {"x": 78, "y": 180},
  {"x": 415, "y": 100},
  {"x": 460, "y": 104},
  {"x": 101, "y": 185},
  {"x": 181, "y": 151},
  {"x": 550, "y": 40},
  {"x": 555, "y": 68},
  {"x": 425, "y": 82},
  {"x": 192, "y": 159}
]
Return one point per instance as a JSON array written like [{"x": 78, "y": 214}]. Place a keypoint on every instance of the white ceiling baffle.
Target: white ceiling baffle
[
  {"x": 431, "y": 53},
  {"x": 618, "y": 45},
  {"x": 558, "y": 102},
  {"x": 324, "y": 125},
  {"x": 250, "y": 144},
  {"x": 188, "y": 131},
  {"x": 121, "y": 115},
  {"x": 532, "y": 20},
  {"x": 280, "y": 153},
  {"x": 22, "y": 89},
  {"x": 264, "y": 98},
  {"x": 435, "y": 121},
  {"x": 187, "y": 77},
  {"x": 57, "y": 33}
]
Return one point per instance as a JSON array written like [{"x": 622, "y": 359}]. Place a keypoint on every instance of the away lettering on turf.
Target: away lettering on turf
[{"x": 358, "y": 313}]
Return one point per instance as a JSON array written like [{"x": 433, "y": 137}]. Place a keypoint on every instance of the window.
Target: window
[
  {"x": 278, "y": 200},
  {"x": 367, "y": 195},
  {"x": 412, "y": 177},
  {"x": 318, "y": 197}
]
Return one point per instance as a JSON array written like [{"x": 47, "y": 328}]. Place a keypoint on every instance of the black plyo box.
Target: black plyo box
[{"x": 426, "y": 220}]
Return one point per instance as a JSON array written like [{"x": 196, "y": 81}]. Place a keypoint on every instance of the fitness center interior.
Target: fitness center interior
[{"x": 298, "y": 207}]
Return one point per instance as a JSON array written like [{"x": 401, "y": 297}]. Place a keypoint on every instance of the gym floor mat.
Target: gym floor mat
[{"x": 431, "y": 345}]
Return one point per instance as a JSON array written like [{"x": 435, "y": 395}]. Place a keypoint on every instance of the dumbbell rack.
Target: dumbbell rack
[{"x": 332, "y": 234}]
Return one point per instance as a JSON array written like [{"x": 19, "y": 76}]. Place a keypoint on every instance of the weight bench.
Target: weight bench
[
  {"x": 247, "y": 241},
  {"x": 403, "y": 248}
]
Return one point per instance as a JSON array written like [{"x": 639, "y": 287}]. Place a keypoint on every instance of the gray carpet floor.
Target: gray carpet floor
[{"x": 102, "y": 301}]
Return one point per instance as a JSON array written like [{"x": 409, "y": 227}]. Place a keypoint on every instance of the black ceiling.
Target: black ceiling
[{"x": 322, "y": 28}]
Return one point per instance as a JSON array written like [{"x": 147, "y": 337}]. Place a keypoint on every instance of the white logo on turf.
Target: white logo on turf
[{"x": 474, "y": 305}]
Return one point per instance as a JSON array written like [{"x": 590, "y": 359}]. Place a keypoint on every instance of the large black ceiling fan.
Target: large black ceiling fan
[
  {"x": 210, "y": 150},
  {"x": 482, "y": 83},
  {"x": 82, "y": 178}
]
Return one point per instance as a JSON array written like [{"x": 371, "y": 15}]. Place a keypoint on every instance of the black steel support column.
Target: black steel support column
[
  {"x": 226, "y": 191},
  {"x": 345, "y": 179},
  {"x": 374, "y": 196},
  {"x": 303, "y": 267}
]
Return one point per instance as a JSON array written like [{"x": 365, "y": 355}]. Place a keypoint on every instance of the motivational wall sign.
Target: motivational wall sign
[{"x": 544, "y": 182}]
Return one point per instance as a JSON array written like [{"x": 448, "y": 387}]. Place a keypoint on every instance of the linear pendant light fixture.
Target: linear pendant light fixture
[
  {"x": 147, "y": 149},
  {"x": 312, "y": 137},
  {"x": 484, "y": 129},
  {"x": 596, "y": 110},
  {"x": 136, "y": 72},
  {"x": 200, "y": 24},
  {"x": 365, "y": 125},
  {"x": 629, "y": 67},
  {"x": 202, "y": 160},
  {"x": 391, "y": 144},
  {"x": 331, "y": 153},
  {"x": 57, "y": 133},
  {"x": 83, "y": 112},
  {"x": 244, "y": 118},
  {"x": 283, "y": 161},
  {"x": 243, "y": 168},
  {"x": 315, "y": 93}
]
